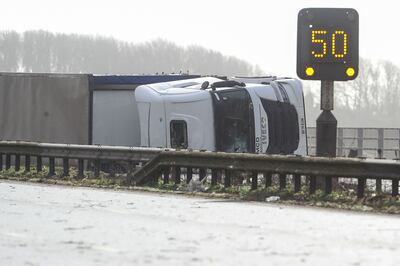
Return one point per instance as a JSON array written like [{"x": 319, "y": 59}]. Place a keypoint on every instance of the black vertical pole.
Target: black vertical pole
[
  {"x": 254, "y": 180},
  {"x": 166, "y": 175},
  {"x": 39, "y": 164},
  {"x": 326, "y": 131},
  {"x": 8, "y": 161},
  {"x": 189, "y": 174},
  {"x": 395, "y": 187},
  {"x": 282, "y": 181},
  {"x": 227, "y": 181},
  {"x": 297, "y": 183},
  {"x": 202, "y": 173},
  {"x": 1, "y": 162},
  {"x": 268, "y": 179},
  {"x": 81, "y": 167},
  {"x": 65, "y": 167},
  {"x": 17, "y": 162},
  {"x": 27, "y": 163},
  {"x": 177, "y": 174},
  {"x": 96, "y": 168},
  {"x": 361, "y": 187},
  {"x": 52, "y": 166},
  {"x": 313, "y": 184},
  {"x": 214, "y": 177}
]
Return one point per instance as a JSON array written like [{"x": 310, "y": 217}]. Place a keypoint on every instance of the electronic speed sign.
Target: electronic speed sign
[{"x": 327, "y": 44}]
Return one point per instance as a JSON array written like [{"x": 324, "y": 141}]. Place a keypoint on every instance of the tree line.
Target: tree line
[
  {"x": 42, "y": 51},
  {"x": 371, "y": 100}
]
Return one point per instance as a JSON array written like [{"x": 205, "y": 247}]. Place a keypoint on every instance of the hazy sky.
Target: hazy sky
[{"x": 259, "y": 31}]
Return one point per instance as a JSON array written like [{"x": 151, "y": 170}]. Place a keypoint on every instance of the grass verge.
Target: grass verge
[{"x": 341, "y": 199}]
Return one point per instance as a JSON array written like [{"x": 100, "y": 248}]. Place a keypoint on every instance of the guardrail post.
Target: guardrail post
[
  {"x": 17, "y": 162},
  {"x": 39, "y": 164},
  {"x": 297, "y": 183},
  {"x": 27, "y": 163},
  {"x": 254, "y": 180},
  {"x": 1, "y": 162},
  {"x": 8, "y": 161},
  {"x": 189, "y": 174},
  {"x": 166, "y": 175},
  {"x": 214, "y": 177},
  {"x": 340, "y": 142},
  {"x": 360, "y": 141},
  {"x": 313, "y": 184},
  {"x": 361, "y": 181},
  {"x": 395, "y": 187},
  {"x": 96, "y": 168},
  {"x": 65, "y": 167},
  {"x": 81, "y": 166},
  {"x": 52, "y": 167},
  {"x": 268, "y": 179},
  {"x": 282, "y": 181},
  {"x": 202, "y": 173},
  {"x": 328, "y": 184},
  {"x": 177, "y": 173},
  {"x": 227, "y": 180}
]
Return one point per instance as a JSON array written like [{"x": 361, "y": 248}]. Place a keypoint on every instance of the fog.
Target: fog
[{"x": 372, "y": 100}]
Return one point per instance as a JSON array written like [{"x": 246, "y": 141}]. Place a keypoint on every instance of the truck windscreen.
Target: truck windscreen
[{"x": 234, "y": 120}]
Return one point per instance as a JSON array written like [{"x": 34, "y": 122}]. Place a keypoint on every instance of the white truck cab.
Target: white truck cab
[{"x": 255, "y": 115}]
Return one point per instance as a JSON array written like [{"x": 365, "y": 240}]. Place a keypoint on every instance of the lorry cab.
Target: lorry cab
[{"x": 263, "y": 115}]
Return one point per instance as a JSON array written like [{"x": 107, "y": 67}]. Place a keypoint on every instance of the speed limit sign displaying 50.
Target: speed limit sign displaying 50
[{"x": 327, "y": 44}]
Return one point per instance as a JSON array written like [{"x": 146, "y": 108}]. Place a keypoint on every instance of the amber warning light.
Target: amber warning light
[{"x": 327, "y": 44}]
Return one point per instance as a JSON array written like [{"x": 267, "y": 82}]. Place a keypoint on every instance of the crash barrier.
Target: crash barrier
[{"x": 153, "y": 163}]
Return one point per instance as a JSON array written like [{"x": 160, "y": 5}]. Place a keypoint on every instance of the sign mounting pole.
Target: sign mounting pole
[{"x": 327, "y": 50}]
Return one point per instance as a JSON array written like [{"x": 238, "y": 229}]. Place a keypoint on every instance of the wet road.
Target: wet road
[{"x": 53, "y": 225}]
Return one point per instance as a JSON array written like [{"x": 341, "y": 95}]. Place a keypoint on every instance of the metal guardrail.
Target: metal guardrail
[{"x": 159, "y": 162}]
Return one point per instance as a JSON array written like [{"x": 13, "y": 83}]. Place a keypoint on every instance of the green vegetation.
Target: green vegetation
[{"x": 344, "y": 198}]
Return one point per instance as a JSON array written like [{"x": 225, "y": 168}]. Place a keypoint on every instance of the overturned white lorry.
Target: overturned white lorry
[{"x": 255, "y": 115}]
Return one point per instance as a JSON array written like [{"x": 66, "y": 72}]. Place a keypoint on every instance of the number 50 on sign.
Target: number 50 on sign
[{"x": 327, "y": 44}]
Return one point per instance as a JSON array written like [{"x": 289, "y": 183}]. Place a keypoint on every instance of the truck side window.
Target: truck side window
[{"x": 178, "y": 134}]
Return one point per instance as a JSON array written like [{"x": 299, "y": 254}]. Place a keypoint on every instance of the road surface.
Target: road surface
[{"x": 55, "y": 225}]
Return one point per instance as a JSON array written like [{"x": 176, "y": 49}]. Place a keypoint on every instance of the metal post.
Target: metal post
[
  {"x": 395, "y": 187},
  {"x": 1, "y": 162},
  {"x": 52, "y": 167},
  {"x": 96, "y": 168},
  {"x": 39, "y": 164},
  {"x": 360, "y": 142},
  {"x": 282, "y": 181},
  {"x": 177, "y": 174},
  {"x": 81, "y": 166},
  {"x": 328, "y": 184},
  {"x": 297, "y": 183},
  {"x": 340, "y": 142},
  {"x": 65, "y": 167},
  {"x": 27, "y": 163},
  {"x": 8, "y": 161},
  {"x": 326, "y": 127},
  {"x": 381, "y": 141},
  {"x": 202, "y": 173},
  {"x": 214, "y": 177},
  {"x": 254, "y": 180},
  {"x": 166, "y": 175},
  {"x": 17, "y": 162},
  {"x": 313, "y": 184},
  {"x": 227, "y": 181},
  {"x": 268, "y": 179},
  {"x": 189, "y": 174},
  {"x": 361, "y": 187}
]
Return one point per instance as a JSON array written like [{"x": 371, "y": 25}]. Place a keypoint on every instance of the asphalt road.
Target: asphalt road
[{"x": 53, "y": 225}]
